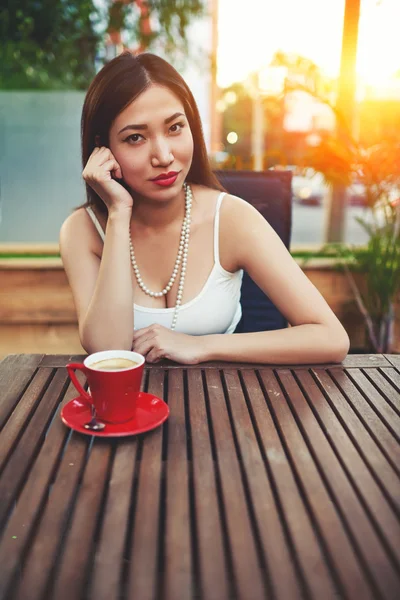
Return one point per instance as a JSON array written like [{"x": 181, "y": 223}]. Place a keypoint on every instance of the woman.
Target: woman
[{"x": 155, "y": 257}]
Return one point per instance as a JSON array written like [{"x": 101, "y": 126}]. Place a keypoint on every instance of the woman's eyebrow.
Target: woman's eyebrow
[{"x": 143, "y": 126}]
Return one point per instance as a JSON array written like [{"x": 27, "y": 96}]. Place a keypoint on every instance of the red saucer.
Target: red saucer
[{"x": 150, "y": 413}]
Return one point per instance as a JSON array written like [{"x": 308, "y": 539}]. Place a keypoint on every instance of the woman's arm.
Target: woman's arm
[
  {"x": 315, "y": 336},
  {"x": 302, "y": 344},
  {"x": 102, "y": 289}
]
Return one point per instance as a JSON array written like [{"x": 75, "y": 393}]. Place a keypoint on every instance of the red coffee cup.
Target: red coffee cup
[{"x": 113, "y": 390}]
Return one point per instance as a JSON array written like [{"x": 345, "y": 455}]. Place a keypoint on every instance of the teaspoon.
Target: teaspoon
[{"x": 94, "y": 424}]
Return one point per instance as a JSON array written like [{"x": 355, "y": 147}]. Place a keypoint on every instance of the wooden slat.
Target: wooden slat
[
  {"x": 279, "y": 561},
  {"x": 16, "y": 371},
  {"x": 51, "y": 300},
  {"x": 109, "y": 558},
  {"x": 53, "y": 523},
  {"x": 22, "y": 412},
  {"x": 368, "y": 417},
  {"x": 394, "y": 377},
  {"x": 246, "y": 565},
  {"x": 18, "y": 530},
  {"x": 377, "y": 401},
  {"x": 388, "y": 391},
  {"x": 308, "y": 554},
  {"x": 357, "y": 471},
  {"x": 178, "y": 577},
  {"x": 371, "y": 453},
  {"x": 15, "y": 363},
  {"x": 355, "y": 547},
  {"x": 20, "y": 461},
  {"x": 60, "y": 360},
  {"x": 77, "y": 545},
  {"x": 212, "y": 562},
  {"x": 363, "y": 361},
  {"x": 394, "y": 360},
  {"x": 144, "y": 548},
  {"x": 339, "y": 553},
  {"x": 351, "y": 361}
]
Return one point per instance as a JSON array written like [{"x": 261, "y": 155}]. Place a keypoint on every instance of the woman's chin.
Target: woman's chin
[
  {"x": 157, "y": 192},
  {"x": 161, "y": 196}
]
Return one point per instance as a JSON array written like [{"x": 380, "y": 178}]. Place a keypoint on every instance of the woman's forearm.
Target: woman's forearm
[
  {"x": 301, "y": 344},
  {"x": 108, "y": 323}
]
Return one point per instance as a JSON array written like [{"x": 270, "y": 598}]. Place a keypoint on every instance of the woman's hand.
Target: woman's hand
[
  {"x": 156, "y": 342},
  {"x": 99, "y": 172}
]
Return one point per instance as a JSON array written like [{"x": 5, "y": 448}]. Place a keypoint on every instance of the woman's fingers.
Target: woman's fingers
[
  {"x": 139, "y": 333},
  {"x": 107, "y": 160},
  {"x": 101, "y": 173},
  {"x": 106, "y": 167},
  {"x": 154, "y": 356},
  {"x": 147, "y": 342},
  {"x": 103, "y": 156},
  {"x": 111, "y": 166},
  {"x": 143, "y": 345},
  {"x": 117, "y": 171}
]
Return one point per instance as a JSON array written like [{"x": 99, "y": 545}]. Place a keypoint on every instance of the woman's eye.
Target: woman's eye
[
  {"x": 133, "y": 138},
  {"x": 176, "y": 127}
]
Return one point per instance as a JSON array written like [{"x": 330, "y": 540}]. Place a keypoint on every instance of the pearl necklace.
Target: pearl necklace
[{"x": 181, "y": 258}]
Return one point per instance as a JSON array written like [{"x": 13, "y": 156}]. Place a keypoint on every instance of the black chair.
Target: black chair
[{"x": 271, "y": 193}]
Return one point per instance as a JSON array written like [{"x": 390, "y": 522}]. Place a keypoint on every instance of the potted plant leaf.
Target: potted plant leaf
[{"x": 376, "y": 169}]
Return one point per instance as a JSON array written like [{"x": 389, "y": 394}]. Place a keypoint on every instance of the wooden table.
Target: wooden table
[{"x": 264, "y": 483}]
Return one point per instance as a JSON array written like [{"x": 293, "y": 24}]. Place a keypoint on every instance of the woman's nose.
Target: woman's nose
[{"x": 162, "y": 155}]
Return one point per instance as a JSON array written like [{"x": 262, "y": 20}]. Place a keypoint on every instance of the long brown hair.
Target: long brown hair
[{"x": 115, "y": 86}]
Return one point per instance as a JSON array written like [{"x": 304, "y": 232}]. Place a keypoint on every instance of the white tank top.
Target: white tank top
[{"x": 216, "y": 309}]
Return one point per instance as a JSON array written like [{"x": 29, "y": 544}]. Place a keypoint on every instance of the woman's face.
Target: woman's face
[{"x": 151, "y": 138}]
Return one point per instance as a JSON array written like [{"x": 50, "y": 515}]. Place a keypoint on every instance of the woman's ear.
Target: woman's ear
[{"x": 97, "y": 140}]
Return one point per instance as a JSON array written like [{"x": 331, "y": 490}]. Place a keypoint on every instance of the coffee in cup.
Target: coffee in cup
[
  {"x": 114, "y": 378},
  {"x": 113, "y": 364}
]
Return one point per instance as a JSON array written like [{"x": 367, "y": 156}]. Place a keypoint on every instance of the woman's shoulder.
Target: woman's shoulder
[
  {"x": 238, "y": 221},
  {"x": 209, "y": 197},
  {"x": 235, "y": 211},
  {"x": 78, "y": 221},
  {"x": 78, "y": 228}
]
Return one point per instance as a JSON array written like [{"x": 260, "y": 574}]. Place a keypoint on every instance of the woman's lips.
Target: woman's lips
[{"x": 166, "y": 181}]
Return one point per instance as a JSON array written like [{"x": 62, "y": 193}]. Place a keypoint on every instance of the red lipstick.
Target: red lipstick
[{"x": 166, "y": 179}]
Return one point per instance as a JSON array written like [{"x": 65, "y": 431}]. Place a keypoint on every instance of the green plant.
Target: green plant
[
  {"x": 55, "y": 44},
  {"x": 379, "y": 261},
  {"x": 48, "y": 44},
  {"x": 377, "y": 169}
]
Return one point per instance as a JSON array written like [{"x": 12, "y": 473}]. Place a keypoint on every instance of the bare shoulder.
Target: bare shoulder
[
  {"x": 203, "y": 208},
  {"x": 235, "y": 209},
  {"x": 78, "y": 230},
  {"x": 240, "y": 223},
  {"x": 237, "y": 219},
  {"x": 232, "y": 210},
  {"x": 80, "y": 248},
  {"x": 77, "y": 221},
  {"x": 204, "y": 198}
]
